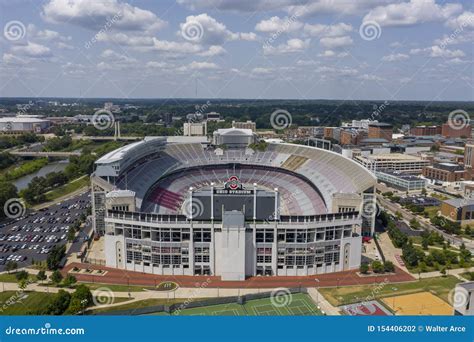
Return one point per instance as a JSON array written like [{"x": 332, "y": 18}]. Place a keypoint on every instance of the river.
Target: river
[{"x": 22, "y": 183}]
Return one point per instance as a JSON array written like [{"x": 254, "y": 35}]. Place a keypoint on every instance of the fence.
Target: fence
[
  {"x": 188, "y": 303},
  {"x": 379, "y": 248},
  {"x": 93, "y": 261}
]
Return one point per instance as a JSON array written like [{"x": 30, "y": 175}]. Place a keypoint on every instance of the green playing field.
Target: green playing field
[{"x": 298, "y": 304}]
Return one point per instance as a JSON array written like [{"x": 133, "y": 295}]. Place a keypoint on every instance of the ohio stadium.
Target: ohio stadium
[{"x": 234, "y": 209}]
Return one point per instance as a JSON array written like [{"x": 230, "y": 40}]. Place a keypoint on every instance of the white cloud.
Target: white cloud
[
  {"x": 248, "y": 36},
  {"x": 395, "y": 57},
  {"x": 370, "y": 77},
  {"x": 276, "y": 24},
  {"x": 411, "y": 13},
  {"x": 207, "y": 29},
  {"x": 32, "y": 50},
  {"x": 336, "y": 42},
  {"x": 291, "y": 46},
  {"x": 174, "y": 47},
  {"x": 156, "y": 65},
  {"x": 98, "y": 15},
  {"x": 197, "y": 66},
  {"x": 213, "y": 50},
  {"x": 437, "y": 51},
  {"x": 464, "y": 21},
  {"x": 320, "y": 30},
  {"x": 331, "y": 53},
  {"x": 125, "y": 39},
  {"x": 306, "y": 62}
]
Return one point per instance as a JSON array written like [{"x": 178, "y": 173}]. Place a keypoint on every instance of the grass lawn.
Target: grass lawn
[
  {"x": 10, "y": 304},
  {"x": 439, "y": 286},
  {"x": 468, "y": 275},
  {"x": 141, "y": 304},
  {"x": 11, "y": 277},
  {"x": 432, "y": 211},
  {"x": 67, "y": 188},
  {"x": 115, "y": 288}
]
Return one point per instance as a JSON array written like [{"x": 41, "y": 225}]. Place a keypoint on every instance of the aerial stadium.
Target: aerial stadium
[{"x": 232, "y": 208}]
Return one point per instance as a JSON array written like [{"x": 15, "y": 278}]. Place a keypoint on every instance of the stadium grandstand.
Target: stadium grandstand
[{"x": 185, "y": 207}]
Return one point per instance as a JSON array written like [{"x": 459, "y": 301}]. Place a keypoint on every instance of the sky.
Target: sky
[{"x": 258, "y": 49}]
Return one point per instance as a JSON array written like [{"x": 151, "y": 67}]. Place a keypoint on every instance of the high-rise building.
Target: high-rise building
[
  {"x": 194, "y": 129},
  {"x": 469, "y": 155},
  {"x": 380, "y": 130},
  {"x": 425, "y": 130},
  {"x": 452, "y": 131},
  {"x": 245, "y": 125}
]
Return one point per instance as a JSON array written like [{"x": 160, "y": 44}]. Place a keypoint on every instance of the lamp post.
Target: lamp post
[{"x": 317, "y": 291}]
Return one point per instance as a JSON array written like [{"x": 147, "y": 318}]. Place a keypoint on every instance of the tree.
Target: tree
[
  {"x": 55, "y": 256},
  {"x": 443, "y": 271},
  {"x": 69, "y": 280},
  {"x": 83, "y": 293},
  {"x": 10, "y": 266},
  {"x": 414, "y": 224},
  {"x": 56, "y": 277},
  {"x": 423, "y": 191},
  {"x": 58, "y": 304},
  {"x": 467, "y": 230},
  {"x": 22, "y": 275},
  {"x": 41, "y": 276},
  {"x": 425, "y": 243},
  {"x": 7, "y": 192},
  {"x": 377, "y": 266},
  {"x": 389, "y": 266},
  {"x": 364, "y": 268},
  {"x": 398, "y": 215},
  {"x": 71, "y": 234}
]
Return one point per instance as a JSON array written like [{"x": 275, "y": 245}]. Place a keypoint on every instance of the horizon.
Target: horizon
[{"x": 368, "y": 50}]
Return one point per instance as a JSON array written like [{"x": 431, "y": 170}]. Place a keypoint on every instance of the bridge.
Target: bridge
[
  {"x": 45, "y": 154},
  {"x": 106, "y": 138}
]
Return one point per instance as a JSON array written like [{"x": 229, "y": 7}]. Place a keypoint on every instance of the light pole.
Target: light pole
[{"x": 317, "y": 291}]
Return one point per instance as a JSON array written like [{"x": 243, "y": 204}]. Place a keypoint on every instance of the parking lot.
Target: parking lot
[{"x": 32, "y": 237}]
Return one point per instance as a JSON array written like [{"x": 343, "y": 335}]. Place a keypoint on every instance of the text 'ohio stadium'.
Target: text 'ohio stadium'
[{"x": 182, "y": 206}]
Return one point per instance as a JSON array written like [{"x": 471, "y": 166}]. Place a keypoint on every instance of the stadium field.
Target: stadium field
[{"x": 299, "y": 304}]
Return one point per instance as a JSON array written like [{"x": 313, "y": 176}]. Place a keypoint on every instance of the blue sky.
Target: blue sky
[{"x": 309, "y": 49}]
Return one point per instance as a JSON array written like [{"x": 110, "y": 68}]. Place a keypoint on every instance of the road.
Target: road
[{"x": 408, "y": 216}]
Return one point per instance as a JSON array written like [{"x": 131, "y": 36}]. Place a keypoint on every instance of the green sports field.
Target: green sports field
[{"x": 299, "y": 304}]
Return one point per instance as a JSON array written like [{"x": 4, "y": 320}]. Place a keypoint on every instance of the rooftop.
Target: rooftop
[
  {"x": 21, "y": 120},
  {"x": 459, "y": 202},
  {"x": 380, "y": 124},
  {"x": 391, "y": 156}
]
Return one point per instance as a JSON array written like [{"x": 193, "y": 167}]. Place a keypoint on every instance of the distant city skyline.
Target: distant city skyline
[{"x": 261, "y": 49}]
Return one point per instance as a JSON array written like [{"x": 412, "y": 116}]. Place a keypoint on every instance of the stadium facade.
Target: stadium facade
[{"x": 176, "y": 206}]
